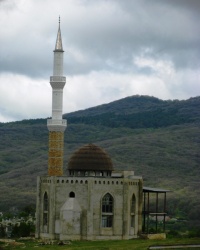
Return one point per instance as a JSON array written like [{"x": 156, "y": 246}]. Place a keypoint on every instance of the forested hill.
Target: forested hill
[
  {"x": 158, "y": 139},
  {"x": 140, "y": 112}
]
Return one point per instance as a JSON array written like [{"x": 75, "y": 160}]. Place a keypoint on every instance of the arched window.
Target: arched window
[
  {"x": 72, "y": 195},
  {"x": 132, "y": 210},
  {"x": 107, "y": 210},
  {"x": 45, "y": 211}
]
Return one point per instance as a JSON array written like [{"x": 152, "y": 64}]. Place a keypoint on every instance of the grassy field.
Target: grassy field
[{"x": 101, "y": 245}]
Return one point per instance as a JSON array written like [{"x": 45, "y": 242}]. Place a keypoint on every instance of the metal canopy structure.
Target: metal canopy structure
[{"x": 152, "y": 209}]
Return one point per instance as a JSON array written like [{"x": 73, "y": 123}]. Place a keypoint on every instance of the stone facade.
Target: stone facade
[
  {"x": 75, "y": 208},
  {"x": 56, "y": 147}
]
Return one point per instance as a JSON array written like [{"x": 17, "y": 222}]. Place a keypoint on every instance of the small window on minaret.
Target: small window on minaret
[{"x": 72, "y": 195}]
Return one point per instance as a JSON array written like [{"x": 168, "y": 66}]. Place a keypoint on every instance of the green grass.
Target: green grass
[{"x": 105, "y": 245}]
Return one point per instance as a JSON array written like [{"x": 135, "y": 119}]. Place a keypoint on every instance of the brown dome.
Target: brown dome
[{"x": 90, "y": 157}]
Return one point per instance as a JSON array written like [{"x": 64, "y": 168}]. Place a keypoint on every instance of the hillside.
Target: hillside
[
  {"x": 140, "y": 112},
  {"x": 159, "y": 140}
]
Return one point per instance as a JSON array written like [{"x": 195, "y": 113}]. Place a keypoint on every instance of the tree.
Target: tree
[
  {"x": 23, "y": 230},
  {"x": 2, "y": 231}
]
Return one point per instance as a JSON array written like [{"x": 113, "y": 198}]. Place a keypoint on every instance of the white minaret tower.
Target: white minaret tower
[{"x": 57, "y": 125}]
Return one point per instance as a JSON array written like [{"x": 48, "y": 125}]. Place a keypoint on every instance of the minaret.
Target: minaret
[{"x": 57, "y": 125}]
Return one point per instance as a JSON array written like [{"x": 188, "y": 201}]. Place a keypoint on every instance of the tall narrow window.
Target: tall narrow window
[
  {"x": 45, "y": 211},
  {"x": 132, "y": 210},
  {"x": 107, "y": 211}
]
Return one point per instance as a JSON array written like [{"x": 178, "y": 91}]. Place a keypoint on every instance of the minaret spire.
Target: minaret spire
[
  {"x": 59, "y": 39},
  {"x": 57, "y": 125}
]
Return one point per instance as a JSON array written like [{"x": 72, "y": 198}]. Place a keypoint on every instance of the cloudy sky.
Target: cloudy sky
[{"x": 113, "y": 49}]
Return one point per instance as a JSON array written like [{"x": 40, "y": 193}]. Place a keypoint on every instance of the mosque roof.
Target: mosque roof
[
  {"x": 155, "y": 190},
  {"x": 90, "y": 157}
]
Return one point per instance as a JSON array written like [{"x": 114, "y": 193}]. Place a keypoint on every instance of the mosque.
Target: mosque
[{"x": 92, "y": 201}]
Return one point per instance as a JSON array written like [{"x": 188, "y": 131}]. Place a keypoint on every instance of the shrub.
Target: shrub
[{"x": 173, "y": 233}]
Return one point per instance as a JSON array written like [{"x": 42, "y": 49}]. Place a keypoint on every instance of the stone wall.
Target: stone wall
[{"x": 88, "y": 192}]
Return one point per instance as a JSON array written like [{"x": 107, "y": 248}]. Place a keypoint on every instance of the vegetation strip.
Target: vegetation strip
[{"x": 174, "y": 247}]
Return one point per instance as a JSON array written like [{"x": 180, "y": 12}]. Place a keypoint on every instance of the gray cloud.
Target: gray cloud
[
  {"x": 129, "y": 26},
  {"x": 107, "y": 34},
  {"x": 129, "y": 41}
]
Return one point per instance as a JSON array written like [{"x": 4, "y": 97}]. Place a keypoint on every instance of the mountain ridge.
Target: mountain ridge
[
  {"x": 140, "y": 112},
  {"x": 134, "y": 99},
  {"x": 165, "y": 153}
]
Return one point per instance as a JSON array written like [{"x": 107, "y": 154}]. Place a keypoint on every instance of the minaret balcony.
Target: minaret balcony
[
  {"x": 56, "y": 125},
  {"x": 57, "y": 82},
  {"x": 58, "y": 79},
  {"x": 56, "y": 122}
]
